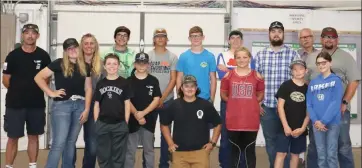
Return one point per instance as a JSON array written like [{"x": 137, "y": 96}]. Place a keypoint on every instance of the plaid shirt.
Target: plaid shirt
[{"x": 274, "y": 67}]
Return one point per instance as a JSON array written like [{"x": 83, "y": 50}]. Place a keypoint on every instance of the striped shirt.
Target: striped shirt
[{"x": 274, "y": 67}]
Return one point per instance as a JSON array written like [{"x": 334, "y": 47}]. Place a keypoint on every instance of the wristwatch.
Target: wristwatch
[
  {"x": 345, "y": 102},
  {"x": 213, "y": 144}
]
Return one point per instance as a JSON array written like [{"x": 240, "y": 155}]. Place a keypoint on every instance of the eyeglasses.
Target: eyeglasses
[
  {"x": 306, "y": 37},
  {"x": 329, "y": 37},
  {"x": 122, "y": 35},
  {"x": 195, "y": 36},
  {"x": 321, "y": 63}
]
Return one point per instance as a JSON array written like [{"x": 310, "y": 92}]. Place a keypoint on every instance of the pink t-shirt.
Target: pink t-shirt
[{"x": 242, "y": 109}]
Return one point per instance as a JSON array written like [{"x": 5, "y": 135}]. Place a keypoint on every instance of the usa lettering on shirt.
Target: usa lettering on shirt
[
  {"x": 242, "y": 90},
  {"x": 111, "y": 89},
  {"x": 323, "y": 86}
]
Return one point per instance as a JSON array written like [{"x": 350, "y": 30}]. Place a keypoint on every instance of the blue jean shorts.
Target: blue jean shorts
[{"x": 294, "y": 145}]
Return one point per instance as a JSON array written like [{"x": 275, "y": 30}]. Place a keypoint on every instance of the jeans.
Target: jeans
[
  {"x": 345, "y": 155},
  {"x": 65, "y": 130},
  {"x": 164, "y": 153},
  {"x": 271, "y": 126},
  {"x": 327, "y": 146},
  {"x": 89, "y": 136}
]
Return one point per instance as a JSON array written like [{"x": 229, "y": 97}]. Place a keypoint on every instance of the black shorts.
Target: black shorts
[
  {"x": 15, "y": 119},
  {"x": 294, "y": 145}
]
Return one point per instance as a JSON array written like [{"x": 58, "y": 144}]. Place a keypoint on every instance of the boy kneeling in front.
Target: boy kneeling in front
[{"x": 190, "y": 145}]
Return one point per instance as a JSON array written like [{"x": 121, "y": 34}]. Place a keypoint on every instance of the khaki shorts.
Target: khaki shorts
[{"x": 191, "y": 159}]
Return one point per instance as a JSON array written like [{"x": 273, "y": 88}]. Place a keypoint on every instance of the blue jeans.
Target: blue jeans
[
  {"x": 164, "y": 153},
  {"x": 345, "y": 155},
  {"x": 271, "y": 126},
  {"x": 65, "y": 130},
  {"x": 327, "y": 146},
  {"x": 89, "y": 136}
]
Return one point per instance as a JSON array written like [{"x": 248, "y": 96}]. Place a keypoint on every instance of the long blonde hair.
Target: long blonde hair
[
  {"x": 96, "y": 60},
  {"x": 68, "y": 67}
]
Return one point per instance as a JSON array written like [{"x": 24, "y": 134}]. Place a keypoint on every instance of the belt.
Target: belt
[{"x": 76, "y": 97}]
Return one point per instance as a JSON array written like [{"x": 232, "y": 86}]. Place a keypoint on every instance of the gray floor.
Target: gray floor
[{"x": 262, "y": 162}]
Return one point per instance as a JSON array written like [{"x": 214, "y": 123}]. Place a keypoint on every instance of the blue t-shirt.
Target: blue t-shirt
[{"x": 200, "y": 66}]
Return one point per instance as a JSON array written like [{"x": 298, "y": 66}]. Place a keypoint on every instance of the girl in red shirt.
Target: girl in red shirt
[{"x": 243, "y": 89}]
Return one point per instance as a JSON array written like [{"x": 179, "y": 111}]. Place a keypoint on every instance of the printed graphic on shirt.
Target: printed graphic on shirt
[
  {"x": 110, "y": 90},
  {"x": 38, "y": 63},
  {"x": 203, "y": 64},
  {"x": 160, "y": 67},
  {"x": 323, "y": 86},
  {"x": 242, "y": 90},
  {"x": 199, "y": 114},
  {"x": 320, "y": 97},
  {"x": 231, "y": 62},
  {"x": 150, "y": 87},
  {"x": 297, "y": 96}
]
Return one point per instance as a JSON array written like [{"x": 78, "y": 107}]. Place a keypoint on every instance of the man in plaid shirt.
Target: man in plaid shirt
[{"x": 273, "y": 64}]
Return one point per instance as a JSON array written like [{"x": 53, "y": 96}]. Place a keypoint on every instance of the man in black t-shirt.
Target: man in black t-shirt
[
  {"x": 142, "y": 122},
  {"x": 111, "y": 112},
  {"x": 292, "y": 111},
  {"x": 190, "y": 143},
  {"x": 25, "y": 101}
]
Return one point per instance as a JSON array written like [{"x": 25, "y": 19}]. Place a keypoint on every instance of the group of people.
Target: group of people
[{"x": 117, "y": 96}]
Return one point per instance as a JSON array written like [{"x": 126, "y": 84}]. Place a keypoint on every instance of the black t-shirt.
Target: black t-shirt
[
  {"x": 23, "y": 92},
  {"x": 111, "y": 95},
  {"x": 295, "y": 103},
  {"x": 73, "y": 85},
  {"x": 191, "y": 129},
  {"x": 144, "y": 90}
]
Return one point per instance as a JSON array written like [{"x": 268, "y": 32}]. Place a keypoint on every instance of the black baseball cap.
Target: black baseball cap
[
  {"x": 329, "y": 31},
  {"x": 276, "y": 24},
  {"x": 30, "y": 26},
  {"x": 142, "y": 58},
  {"x": 189, "y": 79},
  {"x": 236, "y": 32},
  {"x": 70, "y": 42},
  {"x": 298, "y": 62}
]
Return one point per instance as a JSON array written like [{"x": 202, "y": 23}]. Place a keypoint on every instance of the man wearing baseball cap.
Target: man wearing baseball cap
[
  {"x": 25, "y": 103},
  {"x": 120, "y": 48},
  {"x": 345, "y": 66},
  {"x": 190, "y": 143},
  {"x": 280, "y": 56},
  {"x": 163, "y": 67},
  {"x": 225, "y": 62}
]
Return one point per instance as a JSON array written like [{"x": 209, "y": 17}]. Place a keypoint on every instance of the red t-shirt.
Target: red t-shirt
[{"x": 242, "y": 109}]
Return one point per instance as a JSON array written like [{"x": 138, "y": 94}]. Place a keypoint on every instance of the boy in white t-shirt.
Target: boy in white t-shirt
[{"x": 225, "y": 62}]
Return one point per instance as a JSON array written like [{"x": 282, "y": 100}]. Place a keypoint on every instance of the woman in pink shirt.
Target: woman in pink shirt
[{"x": 243, "y": 89}]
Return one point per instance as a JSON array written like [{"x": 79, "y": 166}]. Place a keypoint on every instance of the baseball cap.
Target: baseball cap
[
  {"x": 236, "y": 32},
  {"x": 160, "y": 32},
  {"x": 142, "y": 58},
  {"x": 298, "y": 62},
  {"x": 30, "y": 26},
  {"x": 276, "y": 24},
  {"x": 189, "y": 79},
  {"x": 122, "y": 29},
  {"x": 70, "y": 42},
  {"x": 329, "y": 31}
]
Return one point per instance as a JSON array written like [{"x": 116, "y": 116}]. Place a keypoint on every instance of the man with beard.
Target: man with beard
[
  {"x": 126, "y": 55},
  {"x": 24, "y": 99},
  {"x": 273, "y": 64},
  {"x": 345, "y": 66},
  {"x": 306, "y": 40}
]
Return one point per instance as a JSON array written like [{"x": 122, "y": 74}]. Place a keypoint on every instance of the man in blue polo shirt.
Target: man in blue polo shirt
[{"x": 200, "y": 63}]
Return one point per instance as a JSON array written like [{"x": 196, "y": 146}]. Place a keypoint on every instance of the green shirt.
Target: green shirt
[{"x": 126, "y": 60}]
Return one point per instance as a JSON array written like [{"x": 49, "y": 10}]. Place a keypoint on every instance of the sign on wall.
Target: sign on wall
[{"x": 349, "y": 48}]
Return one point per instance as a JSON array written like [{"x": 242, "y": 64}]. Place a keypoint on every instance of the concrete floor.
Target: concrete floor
[{"x": 262, "y": 162}]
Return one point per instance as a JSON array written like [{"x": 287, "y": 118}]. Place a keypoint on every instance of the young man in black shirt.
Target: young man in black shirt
[
  {"x": 111, "y": 113},
  {"x": 190, "y": 145},
  {"x": 142, "y": 122},
  {"x": 292, "y": 111},
  {"x": 25, "y": 101}
]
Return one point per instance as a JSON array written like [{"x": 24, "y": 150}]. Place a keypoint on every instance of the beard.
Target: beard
[
  {"x": 328, "y": 47},
  {"x": 276, "y": 42}
]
